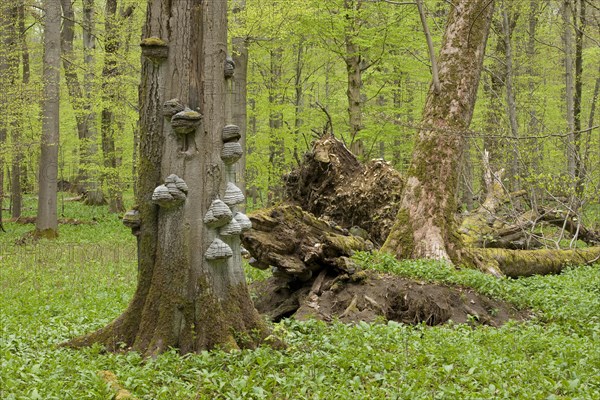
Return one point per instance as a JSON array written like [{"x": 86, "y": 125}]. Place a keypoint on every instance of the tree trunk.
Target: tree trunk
[
  {"x": 569, "y": 89},
  {"x": 88, "y": 145},
  {"x": 191, "y": 291},
  {"x": 424, "y": 227},
  {"x": 110, "y": 73},
  {"x": 9, "y": 67},
  {"x": 239, "y": 95},
  {"x": 46, "y": 223},
  {"x": 510, "y": 99},
  {"x": 579, "y": 23},
  {"x": 353, "y": 68}
]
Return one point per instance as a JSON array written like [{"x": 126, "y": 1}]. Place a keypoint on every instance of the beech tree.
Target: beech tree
[
  {"x": 47, "y": 220},
  {"x": 191, "y": 291}
]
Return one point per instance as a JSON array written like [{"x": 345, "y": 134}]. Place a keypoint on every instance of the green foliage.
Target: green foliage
[{"x": 53, "y": 291}]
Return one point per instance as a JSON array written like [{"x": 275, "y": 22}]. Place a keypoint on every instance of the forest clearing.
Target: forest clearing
[{"x": 322, "y": 199}]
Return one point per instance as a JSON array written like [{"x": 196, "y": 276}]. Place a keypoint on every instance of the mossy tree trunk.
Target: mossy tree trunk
[
  {"x": 183, "y": 299},
  {"x": 425, "y": 223}
]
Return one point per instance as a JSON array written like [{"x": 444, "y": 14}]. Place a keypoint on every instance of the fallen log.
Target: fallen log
[
  {"x": 299, "y": 245},
  {"x": 521, "y": 263}
]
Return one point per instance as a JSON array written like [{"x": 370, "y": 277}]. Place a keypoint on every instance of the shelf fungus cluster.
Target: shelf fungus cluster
[
  {"x": 229, "y": 67},
  {"x": 155, "y": 49},
  {"x": 172, "y": 193},
  {"x": 131, "y": 219},
  {"x": 184, "y": 120},
  {"x": 222, "y": 216}
]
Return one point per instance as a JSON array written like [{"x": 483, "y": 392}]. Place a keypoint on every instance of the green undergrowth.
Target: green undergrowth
[{"x": 48, "y": 296}]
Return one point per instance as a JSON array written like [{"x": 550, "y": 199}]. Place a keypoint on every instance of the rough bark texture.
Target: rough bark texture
[
  {"x": 46, "y": 223},
  {"x": 331, "y": 183},
  {"x": 183, "y": 300},
  {"x": 425, "y": 222},
  {"x": 298, "y": 244}
]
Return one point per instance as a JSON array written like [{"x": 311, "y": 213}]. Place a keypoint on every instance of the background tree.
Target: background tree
[{"x": 47, "y": 220}]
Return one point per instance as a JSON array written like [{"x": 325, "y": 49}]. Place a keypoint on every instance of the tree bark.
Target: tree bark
[
  {"x": 46, "y": 223},
  {"x": 425, "y": 223},
  {"x": 184, "y": 298}
]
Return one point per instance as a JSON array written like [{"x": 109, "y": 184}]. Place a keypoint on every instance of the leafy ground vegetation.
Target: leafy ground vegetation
[{"x": 53, "y": 291}]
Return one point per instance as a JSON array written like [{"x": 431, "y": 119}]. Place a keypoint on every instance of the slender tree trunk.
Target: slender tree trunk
[
  {"x": 12, "y": 94},
  {"x": 510, "y": 99},
  {"x": 298, "y": 96},
  {"x": 191, "y": 291},
  {"x": 88, "y": 144},
  {"x": 110, "y": 73},
  {"x": 47, "y": 221},
  {"x": 353, "y": 68},
  {"x": 425, "y": 223},
  {"x": 569, "y": 89},
  {"x": 579, "y": 23},
  {"x": 277, "y": 143}
]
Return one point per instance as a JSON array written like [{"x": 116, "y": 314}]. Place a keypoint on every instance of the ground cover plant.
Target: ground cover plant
[{"x": 53, "y": 291}]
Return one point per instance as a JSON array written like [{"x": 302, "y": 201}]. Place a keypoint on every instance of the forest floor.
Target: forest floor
[{"x": 51, "y": 291}]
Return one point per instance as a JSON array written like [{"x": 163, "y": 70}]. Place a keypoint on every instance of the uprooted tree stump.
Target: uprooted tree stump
[
  {"x": 313, "y": 276},
  {"x": 339, "y": 206},
  {"x": 333, "y": 184}
]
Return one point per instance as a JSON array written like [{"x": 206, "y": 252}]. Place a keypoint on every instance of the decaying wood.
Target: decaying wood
[
  {"x": 332, "y": 183},
  {"x": 491, "y": 227},
  {"x": 298, "y": 245},
  {"x": 517, "y": 263},
  {"x": 113, "y": 383}
]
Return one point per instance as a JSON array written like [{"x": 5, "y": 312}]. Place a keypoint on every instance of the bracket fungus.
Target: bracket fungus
[
  {"x": 172, "y": 107},
  {"x": 233, "y": 228},
  {"x": 243, "y": 220},
  {"x": 233, "y": 195},
  {"x": 186, "y": 121},
  {"x": 229, "y": 67},
  {"x": 155, "y": 49},
  {"x": 231, "y": 133},
  {"x": 171, "y": 193},
  {"x": 162, "y": 196},
  {"x": 231, "y": 152},
  {"x": 131, "y": 219},
  {"x": 218, "y": 250},
  {"x": 218, "y": 214}
]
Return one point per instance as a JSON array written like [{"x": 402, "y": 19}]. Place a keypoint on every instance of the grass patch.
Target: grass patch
[{"x": 49, "y": 293}]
